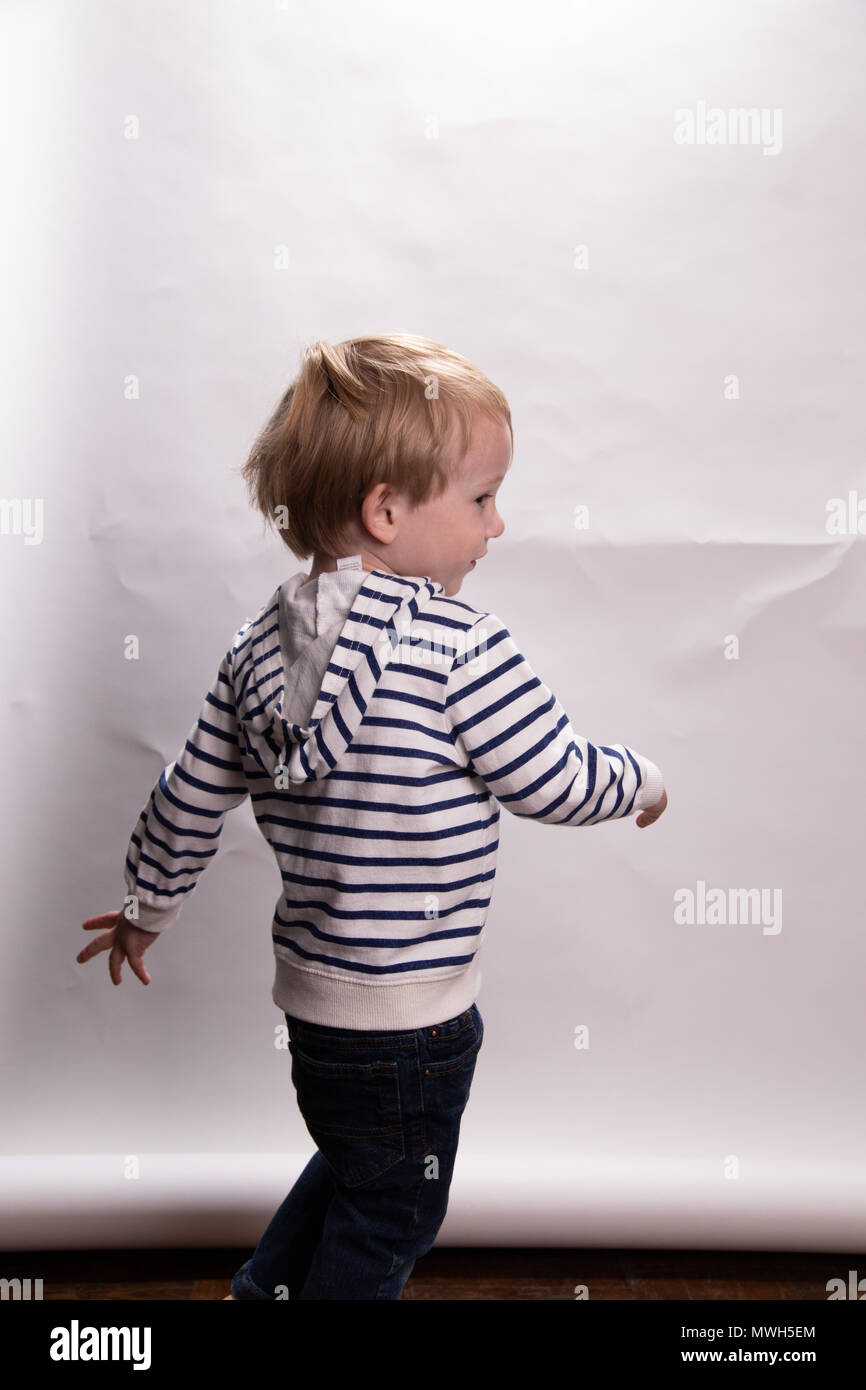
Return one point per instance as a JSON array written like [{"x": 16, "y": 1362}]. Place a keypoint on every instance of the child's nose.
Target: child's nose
[{"x": 499, "y": 525}]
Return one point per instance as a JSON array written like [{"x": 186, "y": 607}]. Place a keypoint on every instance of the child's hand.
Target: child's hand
[
  {"x": 652, "y": 813},
  {"x": 123, "y": 939}
]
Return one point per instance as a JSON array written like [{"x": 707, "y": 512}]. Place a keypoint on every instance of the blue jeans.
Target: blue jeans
[{"x": 384, "y": 1110}]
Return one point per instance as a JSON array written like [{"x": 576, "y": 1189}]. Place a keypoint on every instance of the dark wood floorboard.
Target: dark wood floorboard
[{"x": 452, "y": 1273}]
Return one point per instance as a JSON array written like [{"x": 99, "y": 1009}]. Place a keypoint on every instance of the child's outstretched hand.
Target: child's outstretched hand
[
  {"x": 123, "y": 939},
  {"x": 652, "y": 813}
]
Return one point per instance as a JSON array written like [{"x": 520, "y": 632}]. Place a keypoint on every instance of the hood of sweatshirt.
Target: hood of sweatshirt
[{"x": 308, "y": 664}]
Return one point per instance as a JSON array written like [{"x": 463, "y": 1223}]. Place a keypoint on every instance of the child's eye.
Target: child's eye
[{"x": 484, "y": 498}]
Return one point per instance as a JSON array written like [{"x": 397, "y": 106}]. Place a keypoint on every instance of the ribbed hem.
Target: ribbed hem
[
  {"x": 334, "y": 1003},
  {"x": 650, "y": 792},
  {"x": 156, "y": 918}
]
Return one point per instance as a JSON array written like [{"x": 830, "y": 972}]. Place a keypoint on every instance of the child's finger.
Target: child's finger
[
  {"x": 100, "y": 943},
  {"x": 115, "y": 960},
  {"x": 136, "y": 965},
  {"x": 102, "y": 919}
]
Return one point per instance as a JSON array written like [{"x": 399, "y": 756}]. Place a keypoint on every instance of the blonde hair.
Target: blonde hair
[{"x": 378, "y": 409}]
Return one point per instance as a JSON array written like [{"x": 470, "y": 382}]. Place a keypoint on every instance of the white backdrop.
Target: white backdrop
[{"x": 193, "y": 191}]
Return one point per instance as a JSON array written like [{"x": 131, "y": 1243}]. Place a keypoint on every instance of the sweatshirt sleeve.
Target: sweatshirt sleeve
[
  {"x": 177, "y": 834},
  {"x": 514, "y": 733}
]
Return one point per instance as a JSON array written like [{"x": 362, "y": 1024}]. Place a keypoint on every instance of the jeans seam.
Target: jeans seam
[{"x": 253, "y": 1286}]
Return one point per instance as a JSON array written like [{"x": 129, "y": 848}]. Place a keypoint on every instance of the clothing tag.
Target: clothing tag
[{"x": 348, "y": 562}]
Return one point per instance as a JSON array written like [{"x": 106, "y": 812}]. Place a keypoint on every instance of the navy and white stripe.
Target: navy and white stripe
[{"x": 383, "y": 811}]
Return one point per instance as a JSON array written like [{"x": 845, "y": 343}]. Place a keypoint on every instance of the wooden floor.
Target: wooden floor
[{"x": 452, "y": 1273}]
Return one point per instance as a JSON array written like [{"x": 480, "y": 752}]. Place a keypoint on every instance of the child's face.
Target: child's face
[{"x": 443, "y": 537}]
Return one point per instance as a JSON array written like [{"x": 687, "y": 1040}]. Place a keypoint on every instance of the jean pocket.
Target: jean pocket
[
  {"x": 452, "y": 1045},
  {"x": 352, "y": 1112},
  {"x": 463, "y": 1054},
  {"x": 447, "y": 1081}
]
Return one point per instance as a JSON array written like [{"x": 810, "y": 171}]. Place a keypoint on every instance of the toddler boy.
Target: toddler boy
[{"x": 377, "y": 722}]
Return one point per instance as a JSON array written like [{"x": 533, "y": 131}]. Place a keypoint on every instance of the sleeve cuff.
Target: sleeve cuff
[
  {"x": 155, "y": 918},
  {"x": 653, "y": 786}
]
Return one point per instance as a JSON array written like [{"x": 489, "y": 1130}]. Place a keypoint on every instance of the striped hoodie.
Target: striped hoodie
[{"x": 377, "y": 726}]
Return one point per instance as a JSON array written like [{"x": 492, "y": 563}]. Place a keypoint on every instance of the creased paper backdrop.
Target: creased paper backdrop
[{"x": 644, "y": 222}]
